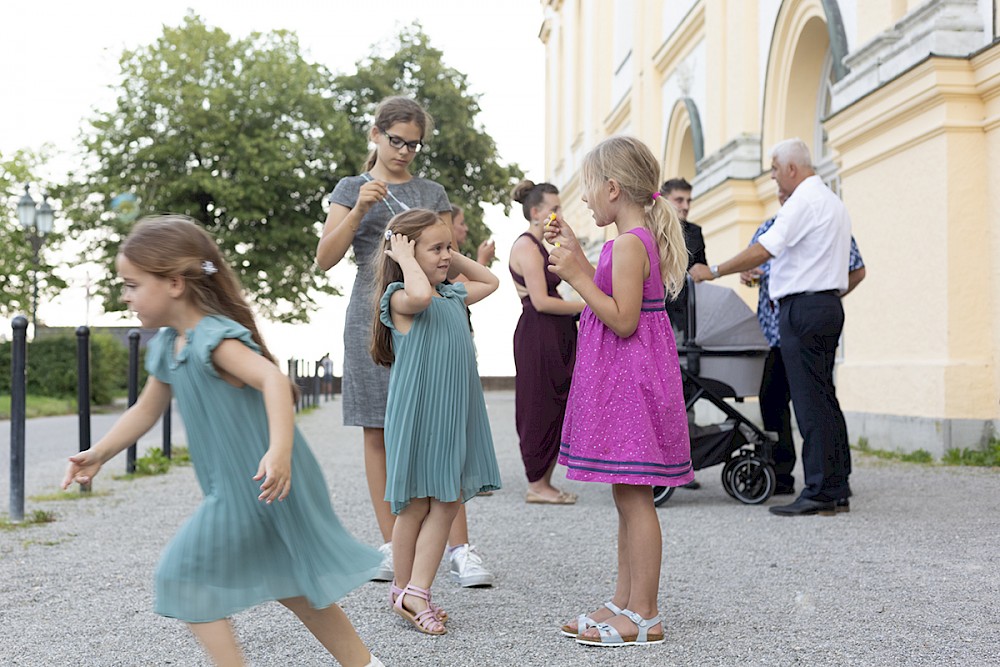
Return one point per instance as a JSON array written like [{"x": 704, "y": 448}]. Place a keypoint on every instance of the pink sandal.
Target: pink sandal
[
  {"x": 425, "y": 620},
  {"x": 439, "y": 613}
]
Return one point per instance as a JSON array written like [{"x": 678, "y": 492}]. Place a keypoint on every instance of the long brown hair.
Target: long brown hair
[
  {"x": 410, "y": 224},
  {"x": 175, "y": 245},
  {"x": 630, "y": 162},
  {"x": 398, "y": 109}
]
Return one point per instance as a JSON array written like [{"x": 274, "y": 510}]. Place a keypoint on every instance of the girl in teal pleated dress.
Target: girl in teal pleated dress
[
  {"x": 256, "y": 536},
  {"x": 439, "y": 449}
]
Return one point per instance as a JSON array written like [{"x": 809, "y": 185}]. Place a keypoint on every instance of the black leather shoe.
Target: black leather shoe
[
  {"x": 693, "y": 484},
  {"x": 805, "y": 506},
  {"x": 844, "y": 505}
]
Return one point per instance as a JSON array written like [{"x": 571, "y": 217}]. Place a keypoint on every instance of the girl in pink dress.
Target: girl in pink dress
[{"x": 626, "y": 424}]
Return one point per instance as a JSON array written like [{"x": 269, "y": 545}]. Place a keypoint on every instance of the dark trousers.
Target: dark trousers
[
  {"x": 810, "y": 327},
  {"x": 776, "y": 413}
]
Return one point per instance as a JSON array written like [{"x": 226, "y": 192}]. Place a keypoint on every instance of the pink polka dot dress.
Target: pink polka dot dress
[{"x": 625, "y": 420}]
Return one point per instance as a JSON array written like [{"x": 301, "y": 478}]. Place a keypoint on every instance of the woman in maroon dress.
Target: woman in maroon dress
[{"x": 544, "y": 346}]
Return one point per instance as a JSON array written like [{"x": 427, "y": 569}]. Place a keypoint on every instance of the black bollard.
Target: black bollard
[
  {"x": 83, "y": 391},
  {"x": 295, "y": 381},
  {"x": 18, "y": 393},
  {"x": 133, "y": 390},
  {"x": 166, "y": 432}
]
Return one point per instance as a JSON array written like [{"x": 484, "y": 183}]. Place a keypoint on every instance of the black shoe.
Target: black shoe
[
  {"x": 784, "y": 491},
  {"x": 805, "y": 506},
  {"x": 693, "y": 485},
  {"x": 844, "y": 505}
]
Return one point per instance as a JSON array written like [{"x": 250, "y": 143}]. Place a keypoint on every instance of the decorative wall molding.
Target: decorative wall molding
[
  {"x": 740, "y": 159},
  {"x": 941, "y": 28}
]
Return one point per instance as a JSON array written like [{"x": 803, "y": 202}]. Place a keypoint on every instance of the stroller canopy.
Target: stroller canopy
[{"x": 724, "y": 321}]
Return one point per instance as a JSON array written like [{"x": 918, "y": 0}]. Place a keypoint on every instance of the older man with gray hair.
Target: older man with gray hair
[{"x": 810, "y": 243}]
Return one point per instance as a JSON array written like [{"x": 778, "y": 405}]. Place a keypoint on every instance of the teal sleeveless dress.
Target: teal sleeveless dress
[
  {"x": 236, "y": 551},
  {"x": 438, "y": 442}
]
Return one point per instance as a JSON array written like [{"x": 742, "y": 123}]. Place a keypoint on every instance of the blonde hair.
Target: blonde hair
[
  {"x": 410, "y": 224},
  {"x": 632, "y": 165},
  {"x": 177, "y": 246},
  {"x": 399, "y": 109}
]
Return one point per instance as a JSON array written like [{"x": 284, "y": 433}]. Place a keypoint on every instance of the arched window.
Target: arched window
[{"x": 684, "y": 145}]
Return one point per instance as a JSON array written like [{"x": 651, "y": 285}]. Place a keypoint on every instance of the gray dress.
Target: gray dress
[{"x": 366, "y": 385}]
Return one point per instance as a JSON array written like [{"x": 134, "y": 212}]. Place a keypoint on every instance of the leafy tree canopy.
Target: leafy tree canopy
[
  {"x": 247, "y": 137},
  {"x": 239, "y": 134},
  {"x": 461, "y": 156},
  {"x": 16, "y": 254}
]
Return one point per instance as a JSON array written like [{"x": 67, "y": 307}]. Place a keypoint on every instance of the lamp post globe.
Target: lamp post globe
[{"x": 37, "y": 221}]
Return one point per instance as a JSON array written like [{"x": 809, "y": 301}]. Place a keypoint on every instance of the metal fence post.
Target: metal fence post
[
  {"x": 83, "y": 391},
  {"x": 18, "y": 393},
  {"x": 133, "y": 390},
  {"x": 167, "y": 450}
]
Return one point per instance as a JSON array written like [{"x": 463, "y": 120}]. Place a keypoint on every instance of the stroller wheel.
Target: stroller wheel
[
  {"x": 727, "y": 475},
  {"x": 752, "y": 480},
  {"x": 661, "y": 494}
]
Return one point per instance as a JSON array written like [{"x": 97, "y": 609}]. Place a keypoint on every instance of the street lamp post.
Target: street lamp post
[{"x": 37, "y": 221}]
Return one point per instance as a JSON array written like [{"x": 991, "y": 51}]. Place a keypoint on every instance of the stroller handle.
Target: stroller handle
[{"x": 691, "y": 326}]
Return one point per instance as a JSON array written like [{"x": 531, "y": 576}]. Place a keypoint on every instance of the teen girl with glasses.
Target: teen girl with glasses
[{"x": 360, "y": 209}]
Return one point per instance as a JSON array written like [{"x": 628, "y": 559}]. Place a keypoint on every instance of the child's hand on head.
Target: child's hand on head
[
  {"x": 276, "y": 471},
  {"x": 400, "y": 247}
]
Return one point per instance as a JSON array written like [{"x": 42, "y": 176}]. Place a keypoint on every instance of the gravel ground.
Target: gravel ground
[{"x": 910, "y": 577}]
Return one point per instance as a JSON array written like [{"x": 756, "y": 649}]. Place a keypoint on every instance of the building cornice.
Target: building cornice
[
  {"x": 682, "y": 41},
  {"x": 937, "y": 95},
  {"x": 940, "y": 28}
]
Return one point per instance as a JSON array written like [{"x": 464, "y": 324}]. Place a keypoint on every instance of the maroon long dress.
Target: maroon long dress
[{"x": 544, "y": 355}]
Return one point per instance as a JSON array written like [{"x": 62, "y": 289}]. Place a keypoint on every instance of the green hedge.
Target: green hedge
[{"x": 51, "y": 367}]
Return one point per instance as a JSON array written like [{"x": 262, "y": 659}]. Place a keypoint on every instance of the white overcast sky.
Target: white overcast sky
[{"x": 58, "y": 59}]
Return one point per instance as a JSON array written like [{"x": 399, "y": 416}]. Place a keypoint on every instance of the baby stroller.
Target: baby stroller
[{"x": 722, "y": 354}]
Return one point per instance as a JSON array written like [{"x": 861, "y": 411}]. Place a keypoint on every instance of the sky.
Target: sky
[{"x": 59, "y": 60}]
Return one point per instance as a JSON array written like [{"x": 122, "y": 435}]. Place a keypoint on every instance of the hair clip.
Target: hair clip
[
  {"x": 655, "y": 195},
  {"x": 388, "y": 235},
  {"x": 208, "y": 267}
]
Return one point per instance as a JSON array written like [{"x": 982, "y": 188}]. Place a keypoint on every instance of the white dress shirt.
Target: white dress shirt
[{"x": 810, "y": 242}]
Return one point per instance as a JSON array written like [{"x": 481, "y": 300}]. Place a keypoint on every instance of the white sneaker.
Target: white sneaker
[
  {"x": 467, "y": 567},
  {"x": 385, "y": 571}
]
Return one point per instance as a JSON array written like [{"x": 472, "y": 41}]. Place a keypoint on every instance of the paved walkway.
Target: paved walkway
[{"x": 910, "y": 577}]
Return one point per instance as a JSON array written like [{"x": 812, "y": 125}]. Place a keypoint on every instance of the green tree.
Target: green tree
[
  {"x": 239, "y": 134},
  {"x": 461, "y": 156},
  {"x": 16, "y": 257}
]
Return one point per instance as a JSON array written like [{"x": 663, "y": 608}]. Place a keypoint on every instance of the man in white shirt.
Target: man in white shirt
[{"x": 810, "y": 243}]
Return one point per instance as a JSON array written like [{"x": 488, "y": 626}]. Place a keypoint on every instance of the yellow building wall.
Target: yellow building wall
[
  {"x": 919, "y": 171},
  {"x": 915, "y": 177}
]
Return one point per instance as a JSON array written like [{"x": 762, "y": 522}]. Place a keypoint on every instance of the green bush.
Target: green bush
[
  {"x": 989, "y": 457},
  {"x": 52, "y": 369}
]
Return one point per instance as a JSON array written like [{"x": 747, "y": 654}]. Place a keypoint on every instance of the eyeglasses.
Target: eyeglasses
[{"x": 398, "y": 142}]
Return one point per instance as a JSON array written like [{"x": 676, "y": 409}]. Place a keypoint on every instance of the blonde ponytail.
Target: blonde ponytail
[{"x": 663, "y": 223}]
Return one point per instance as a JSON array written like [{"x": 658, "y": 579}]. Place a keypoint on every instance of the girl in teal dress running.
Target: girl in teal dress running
[
  {"x": 255, "y": 537},
  {"x": 439, "y": 449}
]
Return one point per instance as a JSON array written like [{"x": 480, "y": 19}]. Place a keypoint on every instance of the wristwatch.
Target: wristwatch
[{"x": 715, "y": 270}]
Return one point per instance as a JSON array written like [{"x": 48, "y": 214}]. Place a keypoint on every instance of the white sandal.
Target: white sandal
[
  {"x": 584, "y": 622},
  {"x": 609, "y": 636}
]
